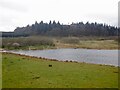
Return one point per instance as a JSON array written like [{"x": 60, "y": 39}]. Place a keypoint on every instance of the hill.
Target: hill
[{"x": 57, "y": 29}]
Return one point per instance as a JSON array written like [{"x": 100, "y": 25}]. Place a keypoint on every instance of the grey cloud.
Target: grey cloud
[
  {"x": 104, "y": 18},
  {"x": 6, "y": 20},
  {"x": 13, "y": 6},
  {"x": 119, "y": 14}
]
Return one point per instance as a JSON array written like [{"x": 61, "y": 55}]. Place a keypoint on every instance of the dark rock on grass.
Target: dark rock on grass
[{"x": 50, "y": 65}]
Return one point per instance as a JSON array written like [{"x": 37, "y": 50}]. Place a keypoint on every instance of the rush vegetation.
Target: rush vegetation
[{"x": 42, "y": 42}]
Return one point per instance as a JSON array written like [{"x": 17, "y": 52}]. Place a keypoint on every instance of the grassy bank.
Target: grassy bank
[
  {"x": 40, "y": 42},
  {"x": 27, "y": 72}
]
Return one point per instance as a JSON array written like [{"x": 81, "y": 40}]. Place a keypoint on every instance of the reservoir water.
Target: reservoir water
[{"x": 107, "y": 57}]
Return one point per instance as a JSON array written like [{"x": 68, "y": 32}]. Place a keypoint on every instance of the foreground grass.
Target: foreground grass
[
  {"x": 27, "y": 72},
  {"x": 0, "y": 70}
]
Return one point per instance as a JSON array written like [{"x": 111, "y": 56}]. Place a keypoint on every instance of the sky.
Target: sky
[{"x": 19, "y": 13}]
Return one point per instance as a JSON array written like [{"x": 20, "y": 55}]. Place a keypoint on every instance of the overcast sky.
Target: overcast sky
[{"x": 18, "y": 13}]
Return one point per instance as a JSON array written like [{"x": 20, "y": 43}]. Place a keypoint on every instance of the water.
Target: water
[{"x": 107, "y": 57}]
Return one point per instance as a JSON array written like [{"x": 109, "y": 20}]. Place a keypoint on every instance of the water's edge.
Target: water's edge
[{"x": 104, "y": 57}]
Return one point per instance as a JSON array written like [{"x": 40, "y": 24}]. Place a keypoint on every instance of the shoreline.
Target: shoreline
[
  {"x": 2, "y": 50},
  {"x": 58, "y": 60}
]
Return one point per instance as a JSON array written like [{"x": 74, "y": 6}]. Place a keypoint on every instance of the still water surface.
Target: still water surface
[{"x": 108, "y": 57}]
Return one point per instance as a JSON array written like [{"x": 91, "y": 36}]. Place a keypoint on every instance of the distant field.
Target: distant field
[
  {"x": 27, "y": 72},
  {"x": 42, "y": 42},
  {"x": 90, "y": 44}
]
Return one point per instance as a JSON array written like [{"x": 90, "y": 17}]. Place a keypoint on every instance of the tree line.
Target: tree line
[{"x": 56, "y": 29}]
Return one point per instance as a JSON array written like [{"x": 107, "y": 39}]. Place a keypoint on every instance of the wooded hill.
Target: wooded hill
[{"x": 57, "y": 29}]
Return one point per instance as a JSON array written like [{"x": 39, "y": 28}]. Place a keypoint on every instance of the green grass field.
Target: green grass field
[
  {"x": 0, "y": 70},
  {"x": 27, "y": 72}
]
